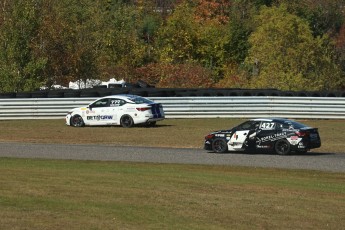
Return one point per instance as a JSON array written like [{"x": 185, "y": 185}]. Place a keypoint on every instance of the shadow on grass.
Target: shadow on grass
[
  {"x": 153, "y": 127},
  {"x": 119, "y": 126},
  {"x": 274, "y": 154},
  {"x": 310, "y": 154}
]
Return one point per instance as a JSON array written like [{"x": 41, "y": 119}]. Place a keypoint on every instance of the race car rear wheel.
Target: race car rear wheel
[
  {"x": 282, "y": 147},
  {"x": 77, "y": 121},
  {"x": 219, "y": 145},
  {"x": 126, "y": 121}
]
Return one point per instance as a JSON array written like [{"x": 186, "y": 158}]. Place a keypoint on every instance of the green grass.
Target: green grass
[
  {"x": 178, "y": 133},
  {"x": 47, "y": 194},
  {"x": 61, "y": 194}
]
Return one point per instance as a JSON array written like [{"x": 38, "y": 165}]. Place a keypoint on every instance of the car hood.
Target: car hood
[
  {"x": 221, "y": 131},
  {"x": 78, "y": 109}
]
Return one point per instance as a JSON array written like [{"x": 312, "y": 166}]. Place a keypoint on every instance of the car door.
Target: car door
[
  {"x": 240, "y": 136},
  {"x": 99, "y": 113},
  {"x": 116, "y": 108},
  {"x": 267, "y": 134}
]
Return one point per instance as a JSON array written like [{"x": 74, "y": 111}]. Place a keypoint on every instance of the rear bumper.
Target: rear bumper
[
  {"x": 306, "y": 146},
  {"x": 147, "y": 119},
  {"x": 154, "y": 119},
  {"x": 314, "y": 145}
]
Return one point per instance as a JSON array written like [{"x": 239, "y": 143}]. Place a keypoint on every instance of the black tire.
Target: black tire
[
  {"x": 288, "y": 94},
  {"x": 23, "y": 95},
  {"x": 219, "y": 146},
  {"x": 142, "y": 84},
  {"x": 282, "y": 147},
  {"x": 234, "y": 93},
  {"x": 126, "y": 121},
  {"x": 7, "y": 95},
  {"x": 72, "y": 93},
  {"x": 77, "y": 121},
  {"x": 39, "y": 94},
  {"x": 55, "y": 94},
  {"x": 139, "y": 92},
  {"x": 89, "y": 93}
]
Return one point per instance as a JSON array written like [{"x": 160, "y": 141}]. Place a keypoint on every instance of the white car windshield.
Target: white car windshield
[{"x": 141, "y": 100}]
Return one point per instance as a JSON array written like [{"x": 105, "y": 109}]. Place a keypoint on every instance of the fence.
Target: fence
[{"x": 190, "y": 107}]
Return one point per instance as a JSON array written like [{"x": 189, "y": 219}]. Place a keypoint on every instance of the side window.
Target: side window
[
  {"x": 266, "y": 125},
  {"x": 245, "y": 126},
  {"x": 114, "y": 102},
  {"x": 256, "y": 125},
  {"x": 287, "y": 126},
  {"x": 283, "y": 126},
  {"x": 101, "y": 103}
]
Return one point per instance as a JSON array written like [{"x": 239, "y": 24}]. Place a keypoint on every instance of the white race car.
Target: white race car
[{"x": 126, "y": 110}]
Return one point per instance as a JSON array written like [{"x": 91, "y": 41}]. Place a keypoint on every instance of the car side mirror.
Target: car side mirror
[{"x": 90, "y": 107}]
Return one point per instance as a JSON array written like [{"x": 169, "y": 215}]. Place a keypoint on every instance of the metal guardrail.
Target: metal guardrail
[{"x": 190, "y": 107}]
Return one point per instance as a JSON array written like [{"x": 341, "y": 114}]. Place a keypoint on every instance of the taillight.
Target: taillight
[
  {"x": 209, "y": 136},
  {"x": 143, "y": 109},
  {"x": 302, "y": 133}
]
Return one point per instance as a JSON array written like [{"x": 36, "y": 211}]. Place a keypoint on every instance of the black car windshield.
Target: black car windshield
[
  {"x": 294, "y": 124},
  {"x": 246, "y": 125}
]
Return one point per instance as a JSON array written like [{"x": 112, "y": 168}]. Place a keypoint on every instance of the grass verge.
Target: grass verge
[
  {"x": 49, "y": 194},
  {"x": 177, "y": 133}
]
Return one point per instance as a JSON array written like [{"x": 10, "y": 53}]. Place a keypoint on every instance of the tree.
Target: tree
[
  {"x": 187, "y": 75},
  {"x": 238, "y": 32},
  {"x": 284, "y": 54},
  {"x": 151, "y": 17},
  {"x": 340, "y": 48},
  {"x": 82, "y": 21},
  {"x": 323, "y": 16},
  {"x": 124, "y": 47},
  {"x": 20, "y": 68},
  {"x": 54, "y": 42},
  {"x": 215, "y": 10},
  {"x": 187, "y": 39},
  {"x": 178, "y": 38}
]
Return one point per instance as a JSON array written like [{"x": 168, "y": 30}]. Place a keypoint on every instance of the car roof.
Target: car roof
[
  {"x": 123, "y": 96},
  {"x": 279, "y": 119}
]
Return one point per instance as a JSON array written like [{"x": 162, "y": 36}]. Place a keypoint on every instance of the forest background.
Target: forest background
[{"x": 282, "y": 44}]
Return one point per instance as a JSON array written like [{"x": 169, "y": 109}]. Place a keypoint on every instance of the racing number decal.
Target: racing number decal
[
  {"x": 114, "y": 103},
  {"x": 268, "y": 125}
]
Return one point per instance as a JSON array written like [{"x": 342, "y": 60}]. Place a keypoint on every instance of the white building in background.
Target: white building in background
[{"x": 90, "y": 83}]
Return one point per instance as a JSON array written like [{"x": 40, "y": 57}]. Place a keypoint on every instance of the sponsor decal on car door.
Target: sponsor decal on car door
[
  {"x": 237, "y": 140},
  {"x": 268, "y": 135},
  {"x": 100, "y": 113},
  {"x": 116, "y": 108},
  {"x": 100, "y": 116}
]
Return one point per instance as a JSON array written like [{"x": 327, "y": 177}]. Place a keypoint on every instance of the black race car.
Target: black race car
[{"x": 269, "y": 134}]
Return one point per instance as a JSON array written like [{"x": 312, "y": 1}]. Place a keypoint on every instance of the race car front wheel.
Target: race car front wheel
[
  {"x": 127, "y": 121},
  {"x": 282, "y": 147},
  {"x": 77, "y": 121},
  {"x": 219, "y": 145}
]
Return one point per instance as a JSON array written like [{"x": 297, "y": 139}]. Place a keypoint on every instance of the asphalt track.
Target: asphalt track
[{"x": 330, "y": 162}]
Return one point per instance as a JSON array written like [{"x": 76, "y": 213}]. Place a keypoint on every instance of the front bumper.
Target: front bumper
[
  {"x": 68, "y": 119},
  {"x": 208, "y": 145}
]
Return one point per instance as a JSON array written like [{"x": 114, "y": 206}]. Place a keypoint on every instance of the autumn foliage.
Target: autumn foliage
[
  {"x": 285, "y": 44},
  {"x": 175, "y": 76}
]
